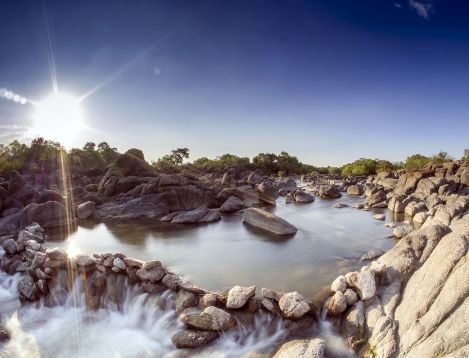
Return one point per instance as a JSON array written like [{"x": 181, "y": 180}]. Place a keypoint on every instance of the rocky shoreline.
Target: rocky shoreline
[{"x": 374, "y": 309}]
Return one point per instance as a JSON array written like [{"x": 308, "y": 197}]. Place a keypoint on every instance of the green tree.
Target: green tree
[
  {"x": 178, "y": 155},
  {"x": 416, "y": 161}
]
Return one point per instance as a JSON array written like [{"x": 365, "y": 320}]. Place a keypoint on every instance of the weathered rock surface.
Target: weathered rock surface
[
  {"x": 211, "y": 319},
  {"x": 293, "y": 305},
  {"x": 238, "y": 296},
  {"x": 193, "y": 338},
  {"x": 267, "y": 221},
  {"x": 329, "y": 191},
  {"x": 302, "y": 348}
]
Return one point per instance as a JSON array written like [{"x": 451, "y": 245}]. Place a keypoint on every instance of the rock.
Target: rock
[
  {"x": 402, "y": 231},
  {"x": 238, "y": 296},
  {"x": 358, "y": 206},
  {"x": 192, "y": 338},
  {"x": 354, "y": 190},
  {"x": 302, "y": 348},
  {"x": 10, "y": 246},
  {"x": 329, "y": 191},
  {"x": 50, "y": 195},
  {"x": 350, "y": 296},
  {"x": 208, "y": 299},
  {"x": 302, "y": 197},
  {"x": 267, "y": 221},
  {"x": 271, "y": 294},
  {"x": 372, "y": 254},
  {"x": 293, "y": 305},
  {"x": 390, "y": 225},
  {"x": 379, "y": 216},
  {"x": 339, "y": 205},
  {"x": 414, "y": 207},
  {"x": 376, "y": 198},
  {"x": 130, "y": 262},
  {"x": 420, "y": 217},
  {"x": 86, "y": 210},
  {"x": 353, "y": 325},
  {"x": 336, "y": 304},
  {"x": 339, "y": 284},
  {"x": 211, "y": 319},
  {"x": 27, "y": 288},
  {"x": 364, "y": 281},
  {"x": 268, "y": 193},
  {"x": 232, "y": 204},
  {"x": 119, "y": 263},
  {"x": 198, "y": 215},
  {"x": 16, "y": 182},
  {"x": 185, "y": 300}
]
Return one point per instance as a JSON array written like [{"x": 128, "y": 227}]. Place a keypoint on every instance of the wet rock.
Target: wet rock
[
  {"x": 270, "y": 305},
  {"x": 336, "y": 304},
  {"x": 119, "y": 263},
  {"x": 339, "y": 206},
  {"x": 199, "y": 215},
  {"x": 358, "y": 206},
  {"x": 293, "y": 305},
  {"x": 86, "y": 210},
  {"x": 27, "y": 288},
  {"x": 267, "y": 221},
  {"x": 9, "y": 246},
  {"x": 379, "y": 216},
  {"x": 267, "y": 192},
  {"x": 130, "y": 262},
  {"x": 193, "y": 338},
  {"x": 211, "y": 319},
  {"x": 364, "y": 281},
  {"x": 238, "y": 296},
  {"x": 302, "y": 197},
  {"x": 353, "y": 325},
  {"x": 372, "y": 254},
  {"x": 171, "y": 281},
  {"x": 339, "y": 284},
  {"x": 302, "y": 348},
  {"x": 185, "y": 300},
  {"x": 209, "y": 299},
  {"x": 390, "y": 225},
  {"x": 329, "y": 191},
  {"x": 232, "y": 204}
]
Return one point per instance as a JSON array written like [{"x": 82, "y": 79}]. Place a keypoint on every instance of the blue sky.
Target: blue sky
[{"x": 329, "y": 81}]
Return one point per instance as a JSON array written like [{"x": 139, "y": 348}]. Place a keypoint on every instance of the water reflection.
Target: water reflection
[{"x": 217, "y": 256}]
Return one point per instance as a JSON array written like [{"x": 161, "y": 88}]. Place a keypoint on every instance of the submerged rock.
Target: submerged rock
[{"x": 267, "y": 221}]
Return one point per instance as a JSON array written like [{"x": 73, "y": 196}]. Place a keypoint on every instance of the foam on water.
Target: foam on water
[{"x": 142, "y": 327}]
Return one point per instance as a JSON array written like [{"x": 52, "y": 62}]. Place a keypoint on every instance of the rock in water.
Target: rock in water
[
  {"x": 379, "y": 216},
  {"x": 302, "y": 197},
  {"x": 329, "y": 191},
  {"x": 302, "y": 348},
  {"x": 339, "y": 284},
  {"x": 238, "y": 296},
  {"x": 365, "y": 283},
  {"x": 211, "y": 319},
  {"x": 267, "y": 221},
  {"x": 336, "y": 304},
  {"x": 293, "y": 305},
  {"x": 231, "y": 205},
  {"x": 193, "y": 338},
  {"x": 86, "y": 210}
]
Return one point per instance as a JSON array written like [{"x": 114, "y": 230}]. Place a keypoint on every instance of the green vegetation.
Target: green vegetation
[
  {"x": 365, "y": 166},
  {"x": 418, "y": 161},
  {"x": 222, "y": 161},
  {"x": 466, "y": 155},
  {"x": 171, "y": 161},
  {"x": 92, "y": 156}
]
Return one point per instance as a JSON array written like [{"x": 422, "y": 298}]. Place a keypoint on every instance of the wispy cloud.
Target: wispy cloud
[
  {"x": 422, "y": 9},
  {"x": 9, "y": 132},
  {"x": 399, "y": 6}
]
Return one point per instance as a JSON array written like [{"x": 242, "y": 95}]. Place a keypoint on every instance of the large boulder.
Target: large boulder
[
  {"x": 355, "y": 190},
  {"x": 264, "y": 220},
  {"x": 199, "y": 215},
  {"x": 302, "y": 197},
  {"x": 86, "y": 210},
  {"x": 302, "y": 348},
  {"x": 268, "y": 193},
  {"x": 132, "y": 162},
  {"x": 329, "y": 191},
  {"x": 193, "y": 338}
]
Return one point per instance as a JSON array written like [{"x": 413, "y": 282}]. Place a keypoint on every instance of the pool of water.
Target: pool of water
[{"x": 220, "y": 255}]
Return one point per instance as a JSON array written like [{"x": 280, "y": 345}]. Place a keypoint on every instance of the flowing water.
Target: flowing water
[{"x": 215, "y": 256}]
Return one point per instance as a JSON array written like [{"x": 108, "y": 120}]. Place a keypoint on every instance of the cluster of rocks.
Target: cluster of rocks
[
  {"x": 50, "y": 274},
  {"x": 412, "y": 301}
]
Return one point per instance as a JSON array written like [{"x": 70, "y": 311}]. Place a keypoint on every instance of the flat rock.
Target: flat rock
[
  {"x": 302, "y": 348},
  {"x": 211, "y": 319},
  {"x": 193, "y": 338},
  {"x": 267, "y": 221}
]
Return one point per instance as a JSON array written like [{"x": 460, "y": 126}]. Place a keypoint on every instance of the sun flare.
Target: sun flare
[{"x": 58, "y": 117}]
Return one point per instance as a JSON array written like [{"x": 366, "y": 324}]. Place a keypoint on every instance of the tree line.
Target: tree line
[{"x": 45, "y": 156}]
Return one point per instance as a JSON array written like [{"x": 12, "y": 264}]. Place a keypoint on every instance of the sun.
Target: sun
[{"x": 59, "y": 117}]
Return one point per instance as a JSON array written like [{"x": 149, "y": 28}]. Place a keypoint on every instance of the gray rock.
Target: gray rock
[
  {"x": 271, "y": 294},
  {"x": 192, "y": 338},
  {"x": 185, "y": 300},
  {"x": 238, "y": 296},
  {"x": 372, "y": 254},
  {"x": 232, "y": 204},
  {"x": 211, "y": 319},
  {"x": 353, "y": 325},
  {"x": 119, "y": 263},
  {"x": 329, "y": 191},
  {"x": 350, "y": 296},
  {"x": 364, "y": 281},
  {"x": 10, "y": 246},
  {"x": 339, "y": 284},
  {"x": 354, "y": 190},
  {"x": 267, "y": 221},
  {"x": 402, "y": 231},
  {"x": 337, "y": 304},
  {"x": 303, "y": 197},
  {"x": 86, "y": 210},
  {"x": 379, "y": 216}
]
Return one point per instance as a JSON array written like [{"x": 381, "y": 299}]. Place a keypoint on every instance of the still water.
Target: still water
[{"x": 220, "y": 255}]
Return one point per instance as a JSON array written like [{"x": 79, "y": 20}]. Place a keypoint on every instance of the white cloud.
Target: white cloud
[{"x": 423, "y": 10}]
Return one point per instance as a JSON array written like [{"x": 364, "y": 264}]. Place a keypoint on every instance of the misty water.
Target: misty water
[
  {"x": 215, "y": 256},
  {"x": 220, "y": 255}
]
